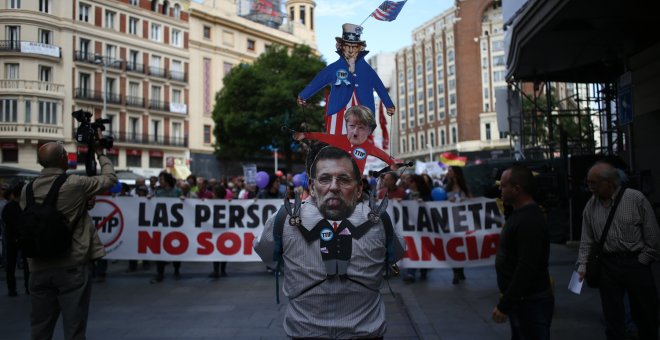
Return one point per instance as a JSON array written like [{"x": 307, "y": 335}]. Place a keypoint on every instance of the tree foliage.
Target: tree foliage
[
  {"x": 564, "y": 118},
  {"x": 258, "y": 99}
]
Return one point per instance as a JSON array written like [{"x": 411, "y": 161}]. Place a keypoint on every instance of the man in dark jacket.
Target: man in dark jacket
[
  {"x": 10, "y": 217},
  {"x": 522, "y": 261}
]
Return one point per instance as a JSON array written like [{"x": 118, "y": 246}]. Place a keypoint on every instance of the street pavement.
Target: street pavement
[{"x": 242, "y": 305}]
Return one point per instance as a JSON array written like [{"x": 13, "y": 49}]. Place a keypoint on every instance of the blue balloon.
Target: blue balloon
[
  {"x": 116, "y": 189},
  {"x": 262, "y": 179},
  {"x": 439, "y": 194},
  {"x": 297, "y": 180},
  {"x": 304, "y": 180}
]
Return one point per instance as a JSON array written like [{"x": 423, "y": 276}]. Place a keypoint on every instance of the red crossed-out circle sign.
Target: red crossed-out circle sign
[{"x": 109, "y": 221}]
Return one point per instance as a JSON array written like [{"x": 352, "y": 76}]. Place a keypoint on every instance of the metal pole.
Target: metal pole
[
  {"x": 430, "y": 152},
  {"x": 275, "y": 157},
  {"x": 105, "y": 88}
]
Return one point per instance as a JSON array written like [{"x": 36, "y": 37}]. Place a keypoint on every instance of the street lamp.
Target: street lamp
[
  {"x": 430, "y": 152},
  {"x": 98, "y": 60}
]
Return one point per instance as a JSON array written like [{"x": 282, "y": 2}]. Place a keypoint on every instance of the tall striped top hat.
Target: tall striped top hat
[{"x": 351, "y": 34}]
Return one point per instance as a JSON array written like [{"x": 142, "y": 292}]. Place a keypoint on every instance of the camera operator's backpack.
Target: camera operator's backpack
[{"x": 44, "y": 231}]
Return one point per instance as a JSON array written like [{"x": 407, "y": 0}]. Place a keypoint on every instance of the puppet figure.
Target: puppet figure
[
  {"x": 360, "y": 123},
  {"x": 351, "y": 80}
]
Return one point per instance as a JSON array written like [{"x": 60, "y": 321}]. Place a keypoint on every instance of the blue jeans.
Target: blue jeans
[{"x": 531, "y": 318}]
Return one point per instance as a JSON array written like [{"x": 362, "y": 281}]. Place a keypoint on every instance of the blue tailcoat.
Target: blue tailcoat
[{"x": 342, "y": 83}]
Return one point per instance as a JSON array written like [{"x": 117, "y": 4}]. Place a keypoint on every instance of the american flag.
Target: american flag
[{"x": 388, "y": 10}]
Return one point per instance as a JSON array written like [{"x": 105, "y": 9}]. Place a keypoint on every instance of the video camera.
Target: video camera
[{"x": 88, "y": 133}]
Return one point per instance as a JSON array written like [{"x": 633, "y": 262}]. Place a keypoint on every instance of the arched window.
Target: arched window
[{"x": 176, "y": 11}]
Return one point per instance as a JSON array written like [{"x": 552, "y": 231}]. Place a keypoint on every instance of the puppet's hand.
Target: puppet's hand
[
  {"x": 298, "y": 136},
  {"x": 391, "y": 110},
  {"x": 301, "y": 101}
]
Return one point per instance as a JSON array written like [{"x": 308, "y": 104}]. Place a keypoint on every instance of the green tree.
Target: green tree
[
  {"x": 258, "y": 99},
  {"x": 567, "y": 119}
]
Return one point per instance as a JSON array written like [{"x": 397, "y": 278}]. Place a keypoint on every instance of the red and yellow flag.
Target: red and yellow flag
[{"x": 448, "y": 158}]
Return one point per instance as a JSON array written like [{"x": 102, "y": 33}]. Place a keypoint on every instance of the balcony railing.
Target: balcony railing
[
  {"x": 146, "y": 139},
  {"x": 134, "y": 67},
  {"x": 10, "y": 45},
  {"x": 95, "y": 95},
  {"x": 30, "y": 47},
  {"x": 97, "y": 59},
  {"x": 113, "y": 98},
  {"x": 156, "y": 71},
  {"x": 85, "y": 57},
  {"x": 87, "y": 94},
  {"x": 18, "y": 130},
  {"x": 159, "y": 105},
  {"x": 134, "y": 101},
  {"x": 31, "y": 86},
  {"x": 178, "y": 76}
]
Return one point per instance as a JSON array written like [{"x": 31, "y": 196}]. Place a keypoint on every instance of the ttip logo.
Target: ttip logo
[{"x": 359, "y": 153}]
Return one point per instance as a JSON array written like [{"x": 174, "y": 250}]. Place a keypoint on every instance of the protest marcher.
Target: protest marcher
[
  {"x": 205, "y": 190},
  {"x": 457, "y": 190},
  {"x": 63, "y": 284},
  {"x": 631, "y": 244},
  {"x": 167, "y": 189},
  {"x": 11, "y": 223},
  {"x": 272, "y": 189},
  {"x": 140, "y": 191},
  {"x": 192, "y": 181},
  {"x": 522, "y": 261},
  {"x": 352, "y": 81},
  {"x": 138, "y": 183},
  {"x": 421, "y": 192},
  {"x": 394, "y": 191},
  {"x": 219, "y": 268},
  {"x": 186, "y": 190},
  {"x": 332, "y": 295},
  {"x": 3, "y": 188},
  {"x": 153, "y": 185}
]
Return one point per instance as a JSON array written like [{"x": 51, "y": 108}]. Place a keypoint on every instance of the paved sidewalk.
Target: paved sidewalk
[{"x": 242, "y": 305}]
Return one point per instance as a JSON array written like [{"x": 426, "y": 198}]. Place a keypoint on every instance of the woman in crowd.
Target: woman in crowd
[
  {"x": 420, "y": 191},
  {"x": 272, "y": 190},
  {"x": 457, "y": 191},
  {"x": 167, "y": 188}
]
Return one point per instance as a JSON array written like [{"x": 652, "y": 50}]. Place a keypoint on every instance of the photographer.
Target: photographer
[{"x": 63, "y": 283}]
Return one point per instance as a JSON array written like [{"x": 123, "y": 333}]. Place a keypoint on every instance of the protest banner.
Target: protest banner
[{"x": 437, "y": 234}]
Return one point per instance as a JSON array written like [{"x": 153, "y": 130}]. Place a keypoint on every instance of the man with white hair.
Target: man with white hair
[{"x": 631, "y": 244}]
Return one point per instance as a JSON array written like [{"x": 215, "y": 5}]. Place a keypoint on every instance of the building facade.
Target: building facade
[
  {"x": 224, "y": 34},
  {"x": 126, "y": 61},
  {"x": 445, "y": 84}
]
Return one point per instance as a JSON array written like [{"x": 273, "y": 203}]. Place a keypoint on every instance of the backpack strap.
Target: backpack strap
[
  {"x": 51, "y": 198},
  {"x": 29, "y": 195},
  {"x": 278, "y": 230},
  {"x": 390, "y": 258},
  {"x": 278, "y": 248}
]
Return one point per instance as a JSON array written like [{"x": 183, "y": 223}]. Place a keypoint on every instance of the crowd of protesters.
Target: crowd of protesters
[{"x": 398, "y": 187}]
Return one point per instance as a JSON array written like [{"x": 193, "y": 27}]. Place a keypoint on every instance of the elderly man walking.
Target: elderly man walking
[
  {"x": 61, "y": 284},
  {"x": 631, "y": 244},
  {"x": 334, "y": 258}
]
